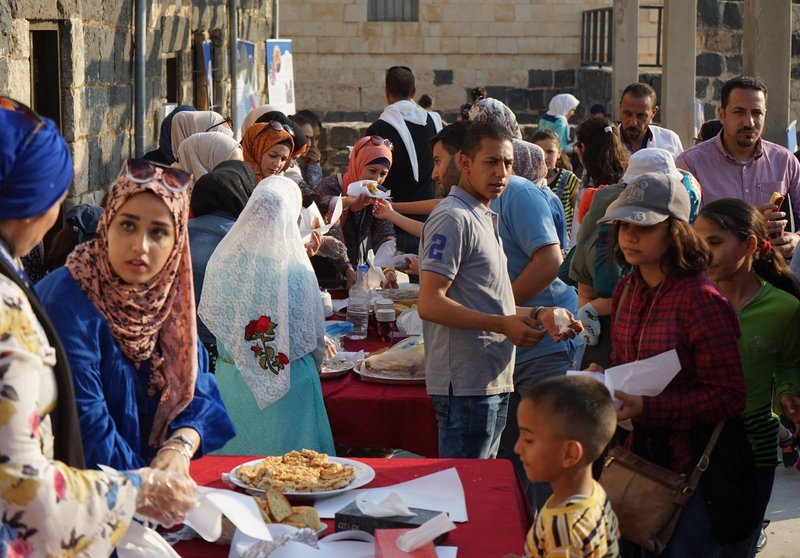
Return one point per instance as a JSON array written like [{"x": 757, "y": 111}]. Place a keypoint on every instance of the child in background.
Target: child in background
[
  {"x": 565, "y": 423},
  {"x": 560, "y": 178},
  {"x": 758, "y": 282}
]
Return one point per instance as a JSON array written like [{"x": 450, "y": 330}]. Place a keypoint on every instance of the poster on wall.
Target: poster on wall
[
  {"x": 280, "y": 75},
  {"x": 208, "y": 68},
  {"x": 247, "y": 97}
]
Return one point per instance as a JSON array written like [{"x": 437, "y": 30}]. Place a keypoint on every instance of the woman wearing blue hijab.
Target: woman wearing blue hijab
[
  {"x": 163, "y": 154},
  {"x": 51, "y": 506}
]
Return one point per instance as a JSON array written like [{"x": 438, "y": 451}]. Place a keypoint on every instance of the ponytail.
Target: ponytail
[
  {"x": 604, "y": 157},
  {"x": 744, "y": 220}
]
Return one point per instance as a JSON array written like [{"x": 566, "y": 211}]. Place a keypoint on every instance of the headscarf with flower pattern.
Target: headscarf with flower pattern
[
  {"x": 152, "y": 321},
  {"x": 492, "y": 110},
  {"x": 529, "y": 161}
]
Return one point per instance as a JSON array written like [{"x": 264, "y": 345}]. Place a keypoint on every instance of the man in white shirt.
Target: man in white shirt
[{"x": 637, "y": 108}]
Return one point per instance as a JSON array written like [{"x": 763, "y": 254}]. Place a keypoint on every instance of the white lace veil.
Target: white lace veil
[{"x": 260, "y": 295}]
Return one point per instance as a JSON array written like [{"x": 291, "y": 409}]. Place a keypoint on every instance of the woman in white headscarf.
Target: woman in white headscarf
[
  {"x": 188, "y": 123},
  {"x": 200, "y": 153},
  {"x": 560, "y": 110},
  {"x": 253, "y": 115},
  {"x": 269, "y": 330}
]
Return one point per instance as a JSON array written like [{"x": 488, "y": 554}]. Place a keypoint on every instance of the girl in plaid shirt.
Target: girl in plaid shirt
[{"x": 667, "y": 303}]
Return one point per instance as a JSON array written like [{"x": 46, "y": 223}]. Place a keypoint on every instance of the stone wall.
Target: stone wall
[
  {"x": 523, "y": 51},
  {"x": 719, "y": 52},
  {"x": 96, "y": 41}
]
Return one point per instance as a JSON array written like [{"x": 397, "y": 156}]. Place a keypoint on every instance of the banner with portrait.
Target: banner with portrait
[{"x": 280, "y": 75}]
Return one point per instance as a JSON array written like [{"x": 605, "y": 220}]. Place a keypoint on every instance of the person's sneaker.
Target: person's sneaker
[
  {"x": 789, "y": 451},
  {"x": 762, "y": 536}
]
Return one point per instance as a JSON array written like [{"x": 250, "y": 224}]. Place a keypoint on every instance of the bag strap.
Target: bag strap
[
  {"x": 622, "y": 298},
  {"x": 705, "y": 459}
]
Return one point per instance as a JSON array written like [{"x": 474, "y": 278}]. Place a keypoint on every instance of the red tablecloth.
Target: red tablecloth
[
  {"x": 367, "y": 414},
  {"x": 498, "y": 513}
]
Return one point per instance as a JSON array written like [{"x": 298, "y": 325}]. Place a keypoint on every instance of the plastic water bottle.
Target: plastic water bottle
[{"x": 358, "y": 305}]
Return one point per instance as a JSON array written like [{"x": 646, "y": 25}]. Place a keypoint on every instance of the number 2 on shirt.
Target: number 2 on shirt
[{"x": 438, "y": 242}]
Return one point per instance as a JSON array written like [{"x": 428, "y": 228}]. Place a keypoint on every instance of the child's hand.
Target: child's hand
[
  {"x": 632, "y": 405},
  {"x": 381, "y": 209}
]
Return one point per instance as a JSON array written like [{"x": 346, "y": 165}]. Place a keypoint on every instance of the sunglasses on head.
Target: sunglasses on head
[
  {"x": 142, "y": 172},
  {"x": 228, "y": 121},
  {"x": 278, "y": 126},
  {"x": 377, "y": 140}
]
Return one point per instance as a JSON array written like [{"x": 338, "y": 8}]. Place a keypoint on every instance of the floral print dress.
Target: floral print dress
[{"x": 48, "y": 509}]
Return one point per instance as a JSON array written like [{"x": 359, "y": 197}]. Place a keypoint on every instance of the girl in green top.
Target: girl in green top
[{"x": 763, "y": 290}]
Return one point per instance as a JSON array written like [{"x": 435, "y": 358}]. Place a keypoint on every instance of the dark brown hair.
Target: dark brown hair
[
  {"x": 640, "y": 91},
  {"x": 604, "y": 157},
  {"x": 744, "y": 220},
  {"x": 474, "y": 134},
  {"x": 577, "y": 408},
  {"x": 545, "y": 134},
  {"x": 687, "y": 253}
]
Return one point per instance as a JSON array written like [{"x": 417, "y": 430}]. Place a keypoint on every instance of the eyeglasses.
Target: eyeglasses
[
  {"x": 142, "y": 172},
  {"x": 228, "y": 121},
  {"x": 377, "y": 140},
  {"x": 7, "y": 103}
]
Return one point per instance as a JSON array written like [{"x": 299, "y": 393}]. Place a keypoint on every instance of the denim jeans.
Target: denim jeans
[
  {"x": 526, "y": 374},
  {"x": 470, "y": 426}
]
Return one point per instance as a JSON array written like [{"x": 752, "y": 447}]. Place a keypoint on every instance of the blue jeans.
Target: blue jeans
[
  {"x": 470, "y": 426},
  {"x": 765, "y": 477}
]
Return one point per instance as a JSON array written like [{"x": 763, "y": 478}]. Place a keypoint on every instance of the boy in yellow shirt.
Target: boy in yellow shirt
[{"x": 565, "y": 423}]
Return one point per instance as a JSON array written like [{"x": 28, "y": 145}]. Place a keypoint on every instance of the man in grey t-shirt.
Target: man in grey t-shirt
[{"x": 470, "y": 320}]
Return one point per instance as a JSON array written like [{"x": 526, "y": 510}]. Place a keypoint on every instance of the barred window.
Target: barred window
[{"x": 393, "y": 10}]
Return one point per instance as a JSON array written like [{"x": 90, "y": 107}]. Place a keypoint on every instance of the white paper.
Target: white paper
[
  {"x": 375, "y": 276},
  {"x": 390, "y": 506},
  {"x": 425, "y": 533},
  {"x": 339, "y": 304},
  {"x": 646, "y": 377},
  {"x": 311, "y": 213},
  {"x": 345, "y": 544},
  {"x": 357, "y": 188},
  {"x": 386, "y": 256},
  {"x": 791, "y": 136},
  {"x": 562, "y": 320},
  {"x": 440, "y": 491},
  {"x": 240, "y": 509}
]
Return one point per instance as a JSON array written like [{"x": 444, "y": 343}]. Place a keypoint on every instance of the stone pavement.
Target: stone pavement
[{"x": 783, "y": 532}]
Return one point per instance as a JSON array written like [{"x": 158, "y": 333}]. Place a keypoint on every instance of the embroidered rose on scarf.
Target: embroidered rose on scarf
[{"x": 262, "y": 332}]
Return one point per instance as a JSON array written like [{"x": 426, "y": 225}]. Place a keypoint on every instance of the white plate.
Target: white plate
[{"x": 364, "y": 475}]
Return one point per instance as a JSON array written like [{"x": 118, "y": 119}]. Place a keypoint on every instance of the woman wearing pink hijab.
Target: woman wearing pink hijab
[
  {"x": 124, "y": 307},
  {"x": 370, "y": 159}
]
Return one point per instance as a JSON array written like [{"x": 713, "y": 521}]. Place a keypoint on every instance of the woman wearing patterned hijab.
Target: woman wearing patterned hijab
[
  {"x": 269, "y": 330},
  {"x": 51, "y": 506},
  {"x": 124, "y": 307}
]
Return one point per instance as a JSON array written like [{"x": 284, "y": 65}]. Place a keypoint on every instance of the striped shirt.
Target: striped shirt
[{"x": 582, "y": 527}]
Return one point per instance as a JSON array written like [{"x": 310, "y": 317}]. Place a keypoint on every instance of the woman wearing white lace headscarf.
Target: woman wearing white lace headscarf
[
  {"x": 560, "y": 110},
  {"x": 269, "y": 329}
]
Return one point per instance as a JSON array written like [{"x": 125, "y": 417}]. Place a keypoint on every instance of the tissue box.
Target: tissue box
[
  {"x": 351, "y": 518},
  {"x": 386, "y": 546}
]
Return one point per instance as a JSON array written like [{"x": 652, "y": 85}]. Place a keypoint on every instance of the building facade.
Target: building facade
[{"x": 72, "y": 60}]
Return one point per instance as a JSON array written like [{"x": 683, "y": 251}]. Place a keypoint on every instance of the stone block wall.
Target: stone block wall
[
  {"x": 522, "y": 51},
  {"x": 97, "y": 50}
]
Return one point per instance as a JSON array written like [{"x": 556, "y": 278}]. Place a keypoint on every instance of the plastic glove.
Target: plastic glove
[
  {"x": 165, "y": 497},
  {"x": 587, "y": 315}
]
